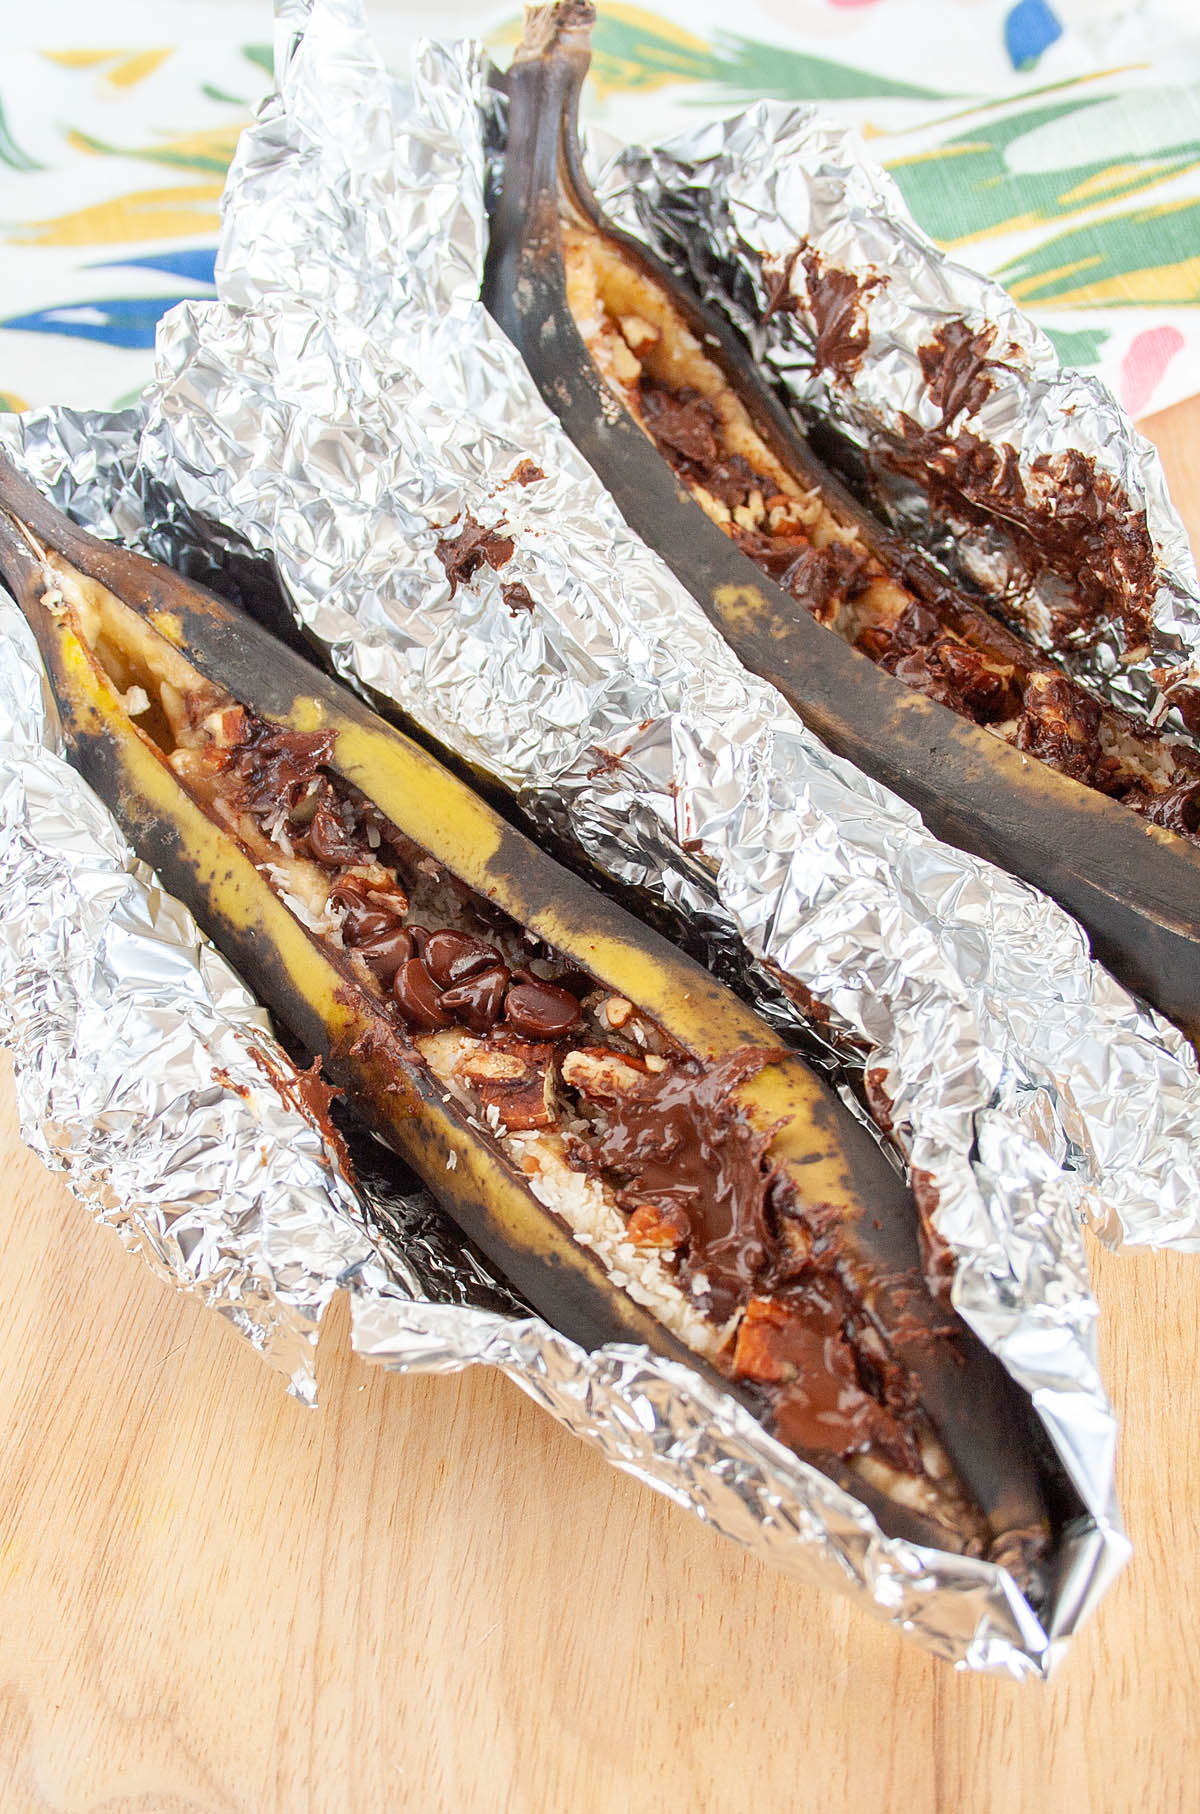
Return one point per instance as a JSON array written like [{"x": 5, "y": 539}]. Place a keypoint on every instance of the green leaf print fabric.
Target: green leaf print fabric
[{"x": 1054, "y": 144}]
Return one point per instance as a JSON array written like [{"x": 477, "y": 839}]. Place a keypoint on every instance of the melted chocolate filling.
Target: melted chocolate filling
[
  {"x": 676, "y": 1142},
  {"x": 953, "y": 653},
  {"x": 1068, "y": 518}
]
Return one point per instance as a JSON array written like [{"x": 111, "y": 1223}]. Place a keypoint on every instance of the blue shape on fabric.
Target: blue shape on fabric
[
  {"x": 1030, "y": 28},
  {"x": 117, "y": 321},
  {"x": 197, "y": 264}
]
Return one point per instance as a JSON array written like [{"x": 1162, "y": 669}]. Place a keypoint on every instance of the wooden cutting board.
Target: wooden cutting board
[{"x": 427, "y": 1596}]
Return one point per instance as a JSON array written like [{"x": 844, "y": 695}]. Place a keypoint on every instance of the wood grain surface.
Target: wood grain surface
[{"x": 426, "y": 1596}]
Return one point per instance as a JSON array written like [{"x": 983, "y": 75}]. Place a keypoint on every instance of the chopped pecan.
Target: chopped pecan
[
  {"x": 488, "y": 1066},
  {"x": 657, "y": 1225},
  {"x": 226, "y": 726},
  {"x": 593, "y": 1071},
  {"x": 763, "y": 1339},
  {"x": 515, "y": 1084}
]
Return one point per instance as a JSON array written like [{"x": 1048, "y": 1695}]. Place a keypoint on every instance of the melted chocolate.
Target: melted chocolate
[
  {"x": 1177, "y": 809},
  {"x": 820, "y": 578},
  {"x": 517, "y": 596},
  {"x": 918, "y": 653},
  {"x": 686, "y": 430},
  {"x": 1061, "y": 725},
  {"x": 1184, "y": 699},
  {"x": 675, "y": 1141},
  {"x": 609, "y": 763},
  {"x": 835, "y": 304},
  {"x": 937, "y": 1259},
  {"x": 878, "y": 1100},
  {"x": 269, "y": 765},
  {"x": 308, "y": 1092},
  {"x": 681, "y": 421},
  {"x": 830, "y": 1396},
  {"x": 955, "y": 366},
  {"x": 779, "y": 286},
  {"x": 1069, "y": 518},
  {"x": 464, "y": 554}
]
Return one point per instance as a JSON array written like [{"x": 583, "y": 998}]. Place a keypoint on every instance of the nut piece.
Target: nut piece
[
  {"x": 226, "y": 726},
  {"x": 594, "y": 1072},
  {"x": 637, "y": 333},
  {"x": 514, "y": 1087},
  {"x": 657, "y": 1225},
  {"x": 490, "y": 1067},
  {"x": 615, "y": 1012},
  {"x": 762, "y": 1350},
  {"x": 188, "y": 764}
]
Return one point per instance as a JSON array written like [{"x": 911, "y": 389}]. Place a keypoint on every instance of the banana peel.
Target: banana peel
[{"x": 82, "y": 597}]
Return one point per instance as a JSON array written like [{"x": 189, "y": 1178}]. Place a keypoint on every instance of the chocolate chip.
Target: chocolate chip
[
  {"x": 418, "y": 997},
  {"x": 386, "y": 951},
  {"x": 362, "y": 923},
  {"x": 539, "y": 1010},
  {"x": 576, "y": 982},
  {"x": 477, "y": 1003},
  {"x": 329, "y": 840},
  {"x": 453, "y": 956}
]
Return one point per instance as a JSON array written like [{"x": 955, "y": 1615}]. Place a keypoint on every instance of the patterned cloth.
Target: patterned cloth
[{"x": 1054, "y": 144}]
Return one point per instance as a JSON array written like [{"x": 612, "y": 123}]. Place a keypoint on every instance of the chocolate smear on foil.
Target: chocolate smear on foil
[
  {"x": 308, "y": 1092},
  {"x": 937, "y": 1258},
  {"x": 517, "y": 596},
  {"x": 955, "y": 367},
  {"x": 464, "y": 554},
  {"x": 834, "y": 304},
  {"x": 1065, "y": 515}
]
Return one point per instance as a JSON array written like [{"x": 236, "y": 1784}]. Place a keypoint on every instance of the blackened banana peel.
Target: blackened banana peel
[
  {"x": 854, "y": 1202},
  {"x": 1134, "y": 885}
]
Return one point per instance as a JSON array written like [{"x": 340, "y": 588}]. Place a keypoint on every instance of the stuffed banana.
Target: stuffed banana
[
  {"x": 910, "y": 676},
  {"x": 630, "y": 1145}
]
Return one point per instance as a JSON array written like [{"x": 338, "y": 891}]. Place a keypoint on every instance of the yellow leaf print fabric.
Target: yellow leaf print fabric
[{"x": 1051, "y": 143}]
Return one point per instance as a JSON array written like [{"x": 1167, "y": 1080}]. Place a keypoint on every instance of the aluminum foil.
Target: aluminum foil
[
  {"x": 729, "y": 217},
  {"x": 342, "y": 403},
  {"x": 148, "y": 1075},
  {"x": 144, "y": 1069}
]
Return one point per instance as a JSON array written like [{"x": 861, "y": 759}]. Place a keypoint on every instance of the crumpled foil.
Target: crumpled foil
[
  {"x": 143, "y": 1066},
  {"x": 342, "y": 403},
  {"x": 148, "y": 1074},
  {"x": 728, "y": 219}
]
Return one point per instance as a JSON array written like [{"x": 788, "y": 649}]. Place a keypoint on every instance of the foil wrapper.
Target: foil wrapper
[
  {"x": 731, "y": 219},
  {"x": 144, "y": 1069},
  {"x": 342, "y": 403},
  {"x": 147, "y": 1073}
]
